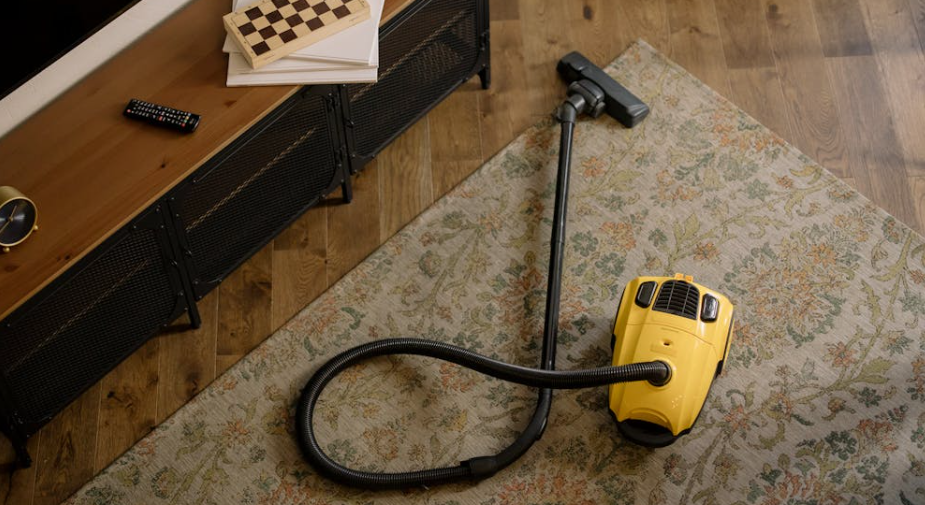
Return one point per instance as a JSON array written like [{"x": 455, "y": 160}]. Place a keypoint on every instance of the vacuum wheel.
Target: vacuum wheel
[{"x": 645, "y": 433}]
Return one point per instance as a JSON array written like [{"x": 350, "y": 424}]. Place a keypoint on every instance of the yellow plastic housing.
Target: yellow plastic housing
[{"x": 694, "y": 349}]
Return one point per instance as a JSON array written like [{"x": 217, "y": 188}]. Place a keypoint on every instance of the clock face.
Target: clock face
[{"x": 17, "y": 220}]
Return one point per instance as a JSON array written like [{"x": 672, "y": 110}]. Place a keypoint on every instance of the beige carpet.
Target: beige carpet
[{"x": 822, "y": 401}]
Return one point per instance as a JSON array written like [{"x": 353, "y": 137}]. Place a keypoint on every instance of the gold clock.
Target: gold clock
[{"x": 17, "y": 217}]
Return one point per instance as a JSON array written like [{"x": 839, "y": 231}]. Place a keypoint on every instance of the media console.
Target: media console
[{"x": 138, "y": 223}]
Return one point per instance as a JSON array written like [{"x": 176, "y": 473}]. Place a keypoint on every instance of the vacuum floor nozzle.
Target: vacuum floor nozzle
[{"x": 619, "y": 103}]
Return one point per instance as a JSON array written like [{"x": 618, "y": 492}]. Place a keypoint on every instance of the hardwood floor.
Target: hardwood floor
[{"x": 844, "y": 80}]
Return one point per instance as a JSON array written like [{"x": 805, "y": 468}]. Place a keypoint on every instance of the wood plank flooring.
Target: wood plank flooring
[{"x": 843, "y": 80}]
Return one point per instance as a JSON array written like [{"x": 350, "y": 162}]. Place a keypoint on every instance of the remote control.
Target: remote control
[{"x": 160, "y": 115}]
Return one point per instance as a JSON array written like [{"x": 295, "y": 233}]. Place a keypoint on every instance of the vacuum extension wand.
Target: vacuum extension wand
[{"x": 590, "y": 91}]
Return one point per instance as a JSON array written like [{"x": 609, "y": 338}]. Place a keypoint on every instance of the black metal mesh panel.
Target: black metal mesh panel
[
  {"x": 87, "y": 326},
  {"x": 419, "y": 62},
  {"x": 241, "y": 203}
]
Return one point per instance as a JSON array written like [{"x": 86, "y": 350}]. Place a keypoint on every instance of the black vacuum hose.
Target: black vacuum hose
[
  {"x": 476, "y": 468},
  {"x": 581, "y": 98}
]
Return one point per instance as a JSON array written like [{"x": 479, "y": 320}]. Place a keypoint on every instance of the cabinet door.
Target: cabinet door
[
  {"x": 253, "y": 189},
  {"x": 427, "y": 51},
  {"x": 87, "y": 321}
]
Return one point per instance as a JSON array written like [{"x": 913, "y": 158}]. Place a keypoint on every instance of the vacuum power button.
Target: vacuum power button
[
  {"x": 644, "y": 294},
  {"x": 710, "y": 308}
]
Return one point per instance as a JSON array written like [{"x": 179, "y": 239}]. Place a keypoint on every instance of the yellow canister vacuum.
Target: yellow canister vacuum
[{"x": 670, "y": 335}]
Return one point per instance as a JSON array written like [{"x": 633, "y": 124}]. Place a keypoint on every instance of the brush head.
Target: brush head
[
  {"x": 685, "y": 325},
  {"x": 619, "y": 103}
]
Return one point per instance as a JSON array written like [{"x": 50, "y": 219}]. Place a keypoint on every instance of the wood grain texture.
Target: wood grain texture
[
  {"x": 505, "y": 108},
  {"x": 758, "y": 92},
  {"x": 405, "y": 185},
  {"x": 877, "y": 163},
  {"x": 500, "y": 11},
  {"x": 392, "y": 8},
  {"x": 66, "y": 454},
  {"x": 244, "y": 309},
  {"x": 696, "y": 42},
  {"x": 549, "y": 40},
  {"x": 917, "y": 188},
  {"x": 841, "y": 28},
  {"x": 299, "y": 271},
  {"x": 186, "y": 359},
  {"x": 353, "y": 230},
  {"x": 744, "y": 33},
  {"x": 128, "y": 404},
  {"x": 590, "y": 25},
  {"x": 17, "y": 485},
  {"x": 918, "y": 18},
  {"x": 865, "y": 128},
  {"x": 455, "y": 139},
  {"x": 902, "y": 65},
  {"x": 806, "y": 88},
  {"x": 644, "y": 19}
]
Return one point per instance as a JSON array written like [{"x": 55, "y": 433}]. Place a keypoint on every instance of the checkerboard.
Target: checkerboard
[{"x": 271, "y": 29}]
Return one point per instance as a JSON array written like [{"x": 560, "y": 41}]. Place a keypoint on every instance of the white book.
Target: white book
[
  {"x": 237, "y": 62},
  {"x": 352, "y": 45},
  {"x": 297, "y": 78}
]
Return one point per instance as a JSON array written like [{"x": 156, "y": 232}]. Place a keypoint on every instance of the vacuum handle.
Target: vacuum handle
[{"x": 621, "y": 105}]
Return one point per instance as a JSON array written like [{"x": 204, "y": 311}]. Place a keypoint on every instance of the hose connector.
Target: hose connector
[{"x": 659, "y": 382}]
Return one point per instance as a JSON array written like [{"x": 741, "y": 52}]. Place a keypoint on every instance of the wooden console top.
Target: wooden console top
[{"x": 90, "y": 170}]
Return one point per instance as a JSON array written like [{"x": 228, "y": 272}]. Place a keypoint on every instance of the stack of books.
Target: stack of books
[{"x": 266, "y": 42}]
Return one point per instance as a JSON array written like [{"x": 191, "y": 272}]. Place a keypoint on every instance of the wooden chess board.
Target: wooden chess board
[{"x": 271, "y": 29}]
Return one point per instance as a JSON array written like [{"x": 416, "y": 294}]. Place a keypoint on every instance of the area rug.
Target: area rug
[{"x": 822, "y": 400}]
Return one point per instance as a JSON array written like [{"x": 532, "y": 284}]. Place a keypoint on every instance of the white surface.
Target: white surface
[
  {"x": 295, "y": 78},
  {"x": 287, "y": 65},
  {"x": 83, "y": 59},
  {"x": 353, "y": 45},
  {"x": 237, "y": 62}
]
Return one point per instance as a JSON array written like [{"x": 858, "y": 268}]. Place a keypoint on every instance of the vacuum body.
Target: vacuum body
[{"x": 683, "y": 324}]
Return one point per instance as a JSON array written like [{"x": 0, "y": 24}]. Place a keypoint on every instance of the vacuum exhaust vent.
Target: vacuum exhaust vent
[{"x": 679, "y": 298}]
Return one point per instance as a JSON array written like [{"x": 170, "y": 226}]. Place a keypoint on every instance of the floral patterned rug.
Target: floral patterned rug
[{"x": 822, "y": 400}]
